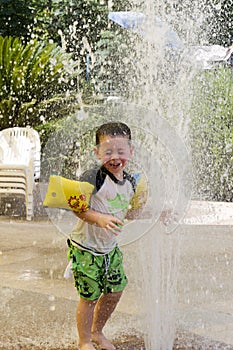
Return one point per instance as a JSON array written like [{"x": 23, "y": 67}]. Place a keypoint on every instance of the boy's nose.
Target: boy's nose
[{"x": 114, "y": 155}]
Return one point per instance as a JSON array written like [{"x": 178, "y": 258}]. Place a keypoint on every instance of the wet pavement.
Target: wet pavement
[{"x": 38, "y": 305}]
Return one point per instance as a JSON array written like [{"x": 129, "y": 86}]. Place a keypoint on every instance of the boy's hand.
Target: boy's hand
[
  {"x": 167, "y": 216},
  {"x": 110, "y": 223},
  {"x": 105, "y": 221}
]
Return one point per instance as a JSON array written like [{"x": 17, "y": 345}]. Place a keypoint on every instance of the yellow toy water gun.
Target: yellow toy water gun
[{"x": 68, "y": 194}]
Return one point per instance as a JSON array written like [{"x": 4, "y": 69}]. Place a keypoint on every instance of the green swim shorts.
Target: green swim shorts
[{"x": 97, "y": 274}]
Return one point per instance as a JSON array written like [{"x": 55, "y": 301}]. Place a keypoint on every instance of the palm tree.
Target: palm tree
[{"x": 35, "y": 80}]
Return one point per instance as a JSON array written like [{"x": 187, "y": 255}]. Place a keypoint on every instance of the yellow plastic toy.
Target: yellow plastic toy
[
  {"x": 141, "y": 193},
  {"x": 68, "y": 194}
]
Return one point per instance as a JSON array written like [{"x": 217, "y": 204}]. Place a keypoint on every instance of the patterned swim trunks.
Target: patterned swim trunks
[{"x": 97, "y": 274}]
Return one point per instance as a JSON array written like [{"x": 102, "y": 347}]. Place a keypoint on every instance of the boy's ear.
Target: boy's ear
[
  {"x": 132, "y": 149},
  {"x": 96, "y": 150}
]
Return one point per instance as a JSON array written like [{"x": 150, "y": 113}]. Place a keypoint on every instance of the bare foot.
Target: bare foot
[
  {"x": 86, "y": 346},
  {"x": 102, "y": 342}
]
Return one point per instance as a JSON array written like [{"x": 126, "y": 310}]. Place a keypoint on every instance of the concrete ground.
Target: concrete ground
[{"x": 38, "y": 305}]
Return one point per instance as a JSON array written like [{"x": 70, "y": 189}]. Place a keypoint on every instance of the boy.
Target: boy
[{"x": 96, "y": 259}]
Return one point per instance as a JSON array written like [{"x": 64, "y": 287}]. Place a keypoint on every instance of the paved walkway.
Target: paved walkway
[{"x": 38, "y": 304}]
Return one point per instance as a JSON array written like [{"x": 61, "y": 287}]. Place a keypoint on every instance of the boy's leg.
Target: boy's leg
[
  {"x": 103, "y": 310},
  {"x": 84, "y": 319}
]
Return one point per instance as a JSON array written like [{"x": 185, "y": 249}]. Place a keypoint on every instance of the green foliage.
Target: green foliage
[
  {"x": 16, "y": 18},
  {"x": 25, "y": 18},
  {"x": 34, "y": 80},
  {"x": 43, "y": 14},
  {"x": 107, "y": 58},
  {"x": 79, "y": 24},
  {"x": 212, "y": 135},
  {"x": 220, "y": 26},
  {"x": 124, "y": 5},
  {"x": 113, "y": 66}
]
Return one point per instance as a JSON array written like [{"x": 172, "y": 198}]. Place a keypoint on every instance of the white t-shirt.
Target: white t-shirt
[{"x": 111, "y": 196}]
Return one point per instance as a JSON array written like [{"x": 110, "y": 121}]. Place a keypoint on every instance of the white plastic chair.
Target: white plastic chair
[
  {"x": 19, "y": 145},
  {"x": 19, "y": 164}
]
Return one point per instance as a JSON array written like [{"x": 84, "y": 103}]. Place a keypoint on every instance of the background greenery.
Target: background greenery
[
  {"x": 212, "y": 135},
  {"x": 44, "y": 74},
  {"x": 33, "y": 82}
]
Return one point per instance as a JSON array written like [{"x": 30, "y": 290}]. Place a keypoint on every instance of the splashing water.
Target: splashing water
[{"x": 162, "y": 85}]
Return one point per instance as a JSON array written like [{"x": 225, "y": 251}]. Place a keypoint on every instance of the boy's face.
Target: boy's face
[{"x": 114, "y": 152}]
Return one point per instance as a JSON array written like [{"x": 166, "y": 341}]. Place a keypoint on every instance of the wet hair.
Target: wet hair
[{"x": 113, "y": 129}]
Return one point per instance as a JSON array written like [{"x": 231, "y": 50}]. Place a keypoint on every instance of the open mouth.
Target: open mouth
[{"x": 115, "y": 165}]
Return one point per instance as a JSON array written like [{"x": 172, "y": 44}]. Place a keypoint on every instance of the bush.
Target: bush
[{"x": 212, "y": 135}]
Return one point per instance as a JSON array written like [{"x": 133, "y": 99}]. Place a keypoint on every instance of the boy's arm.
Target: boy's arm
[{"x": 104, "y": 221}]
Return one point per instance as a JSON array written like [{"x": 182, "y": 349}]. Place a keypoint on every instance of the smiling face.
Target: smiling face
[{"x": 114, "y": 152}]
